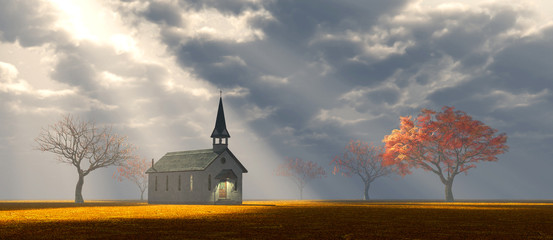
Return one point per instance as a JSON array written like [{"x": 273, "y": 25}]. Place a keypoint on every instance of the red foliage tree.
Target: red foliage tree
[
  {"x": 134, "y": 170},
  {"x": 300, "y": 171},
  {"x": 446, "y": 143},
  {"x": 361, "y": 159}
]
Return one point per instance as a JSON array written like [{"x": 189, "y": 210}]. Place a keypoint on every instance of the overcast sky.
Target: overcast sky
[{"x": 299, "y": 79}]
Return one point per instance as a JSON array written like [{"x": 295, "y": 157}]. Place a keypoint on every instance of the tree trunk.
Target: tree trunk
[
  {"x": 367, "y": 186},
  {"x": 449, "y": 191},
  {"x": 142, "y": 196},
  {"x": 79, "y": 189}
]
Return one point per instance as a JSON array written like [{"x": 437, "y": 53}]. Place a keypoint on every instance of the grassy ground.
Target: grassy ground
[{"x": 276, "y": 219}]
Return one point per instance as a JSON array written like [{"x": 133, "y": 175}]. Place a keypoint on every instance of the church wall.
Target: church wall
[
  {"x": 171, "y": 193},
  {"x": 217, "y": 166}
]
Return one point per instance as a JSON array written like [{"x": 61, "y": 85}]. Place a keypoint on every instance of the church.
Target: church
[{"x": 206, "y": 176}]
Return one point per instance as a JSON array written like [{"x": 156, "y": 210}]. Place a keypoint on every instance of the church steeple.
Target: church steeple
[{"x": 220, "y": 133}]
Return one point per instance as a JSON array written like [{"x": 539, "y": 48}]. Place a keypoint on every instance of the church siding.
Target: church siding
[{"x": 216, "y": 167}]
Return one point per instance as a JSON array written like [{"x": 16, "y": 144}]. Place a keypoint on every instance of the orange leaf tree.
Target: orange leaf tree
[
  {"x": 361, "y": 159},
  {"x": 446, "y": 143},
  {"x": 134, "y": 170},
  {"x": 300, "y": 172}
]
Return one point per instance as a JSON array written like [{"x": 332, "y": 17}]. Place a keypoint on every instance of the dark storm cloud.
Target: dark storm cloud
[
  {"x": 300, "y": 25},
  {"x": 76, "y": 71},
  {"x": 163, "y": 13},
  {"x": 527, "y": 64},
  {"x": 215, "y": 62},
  {"x": 292, "y": 26},
  {"x": 297, "y": 22},
  {"x": 468, "y": 31},
  {"x": 84, "y": 66},
  {"x": 464, "y": 36},
  {"x": 387, "y": 95},
  {"x": 515, "y": 88},
  {"x": 27, "y": 22}
]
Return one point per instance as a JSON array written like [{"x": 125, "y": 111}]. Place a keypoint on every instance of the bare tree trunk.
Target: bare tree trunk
[
  {"x": 79, "y": 189},
  {"x": 142, "y": 196},
  {"x": 449, "y": 191},
  {"x": 367, "y": 186}
]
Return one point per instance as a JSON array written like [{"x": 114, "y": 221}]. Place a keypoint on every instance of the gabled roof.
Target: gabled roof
[
  {"x": 184, "y": 161},
  {"x": 220, "y": 130},
  {"x": 195, "y": 160}
]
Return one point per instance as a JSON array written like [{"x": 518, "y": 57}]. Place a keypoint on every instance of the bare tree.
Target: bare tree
[
  {"x": 134, "y": 170},
  {"x": 84, "y": 146},
  {"x": 364, "y": 160},
  {"x": 300, "y": 172}
]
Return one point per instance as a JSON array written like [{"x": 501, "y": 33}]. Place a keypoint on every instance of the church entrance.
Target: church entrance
[
  {"x": 223, "y": 190},
  {"x": 227, "y": 180}
]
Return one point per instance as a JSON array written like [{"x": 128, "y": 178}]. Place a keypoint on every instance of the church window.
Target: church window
[
  {"x": 179, "y": 182},
  {"x": 209, "y": 182},
  {"x": 236, "y": 186},
  {"x": 223, "y": 160},
  {"x": 156, "y": 184},
  {"x": 167, "y": 183},
  {"x": 191, "y": 183}
]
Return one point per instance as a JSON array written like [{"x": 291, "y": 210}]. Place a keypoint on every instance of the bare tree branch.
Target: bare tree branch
[{"x": 74, "y": 140}]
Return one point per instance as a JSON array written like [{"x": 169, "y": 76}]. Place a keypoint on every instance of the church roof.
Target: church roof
[
  {"x": 195, "y": 160},
  {"x": 184, "y": 161},
  {"x": 220, "y": 130}
]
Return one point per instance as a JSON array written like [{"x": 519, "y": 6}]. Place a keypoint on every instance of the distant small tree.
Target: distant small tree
[
  {"x": 83, "y": 145},
  {"x": 361, "y": 159},
  {"x": 134, "y": 170},
  {"x": 300, "y": 172}
]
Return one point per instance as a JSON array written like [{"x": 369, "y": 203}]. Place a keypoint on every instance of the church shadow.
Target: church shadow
[{"x": 23, "y": 205}]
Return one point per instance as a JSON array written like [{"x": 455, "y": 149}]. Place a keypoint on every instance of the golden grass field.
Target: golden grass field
[{"x": 276, "y": 220}]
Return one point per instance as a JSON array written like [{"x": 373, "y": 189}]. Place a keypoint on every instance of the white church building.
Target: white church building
[{"x": 207, "y": 176}]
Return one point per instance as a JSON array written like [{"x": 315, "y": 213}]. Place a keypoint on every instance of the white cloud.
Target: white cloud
[
  {"x": 513, "y": 100},
  {"x": 141, "y": 123},
  {"x": 212, "y": 24},
  {"x": 20, "y": 107},
  {"x": 230, "y": 61},
  {"x": 123, "y": 43},
  {"x": 253, "y": 112},
  {"x": 9, "y": 81},
  {"x": 46, "y": 93},
  {"x": 284, "y": 131},
  {"x": 95, "y": 103},
  {"x": 236, "y": 92},
  {"x": 8, "y": 71},
  {"x": 110, "y": 80},
  {"x": 274, "y": 79},
  {"x": 345, "y": 116}
]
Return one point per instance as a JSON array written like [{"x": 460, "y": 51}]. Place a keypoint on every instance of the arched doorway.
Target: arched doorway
[
  {"x": 226, "y": 183},
  {"x": 223, "y": 189}
]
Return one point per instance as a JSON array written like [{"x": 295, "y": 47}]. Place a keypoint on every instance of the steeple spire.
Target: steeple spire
[{"x": 220, "y": 131}]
